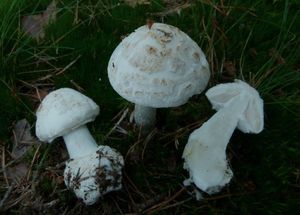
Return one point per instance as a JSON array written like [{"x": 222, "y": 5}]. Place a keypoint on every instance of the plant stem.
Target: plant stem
[
  {"x": 80, "y": 142},
  {"x": 205, "y": 153},
  {"x": 144, "y": 117}
]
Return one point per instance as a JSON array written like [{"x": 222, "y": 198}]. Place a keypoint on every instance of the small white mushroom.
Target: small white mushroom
[
  {"x": 156, "y": 67},
  {"x": 238, "y": 105},
  {"x": 92, "y": 170}
]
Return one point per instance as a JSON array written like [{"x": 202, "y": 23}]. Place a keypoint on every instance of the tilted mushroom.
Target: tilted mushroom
[
  {"x": 92, "y": 170},
  {"x": 238, "y": 105},
  {"x": 157, "y": 66}
]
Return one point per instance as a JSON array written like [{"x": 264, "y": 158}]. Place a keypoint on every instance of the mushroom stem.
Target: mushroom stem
[
  {"x": 205, "y": 153},
  {"x": 80, "y": 142},
  {"x": 144, "y": 117}
]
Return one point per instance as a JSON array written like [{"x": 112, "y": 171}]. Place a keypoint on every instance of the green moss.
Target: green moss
[{"x": 244, "y": 32}]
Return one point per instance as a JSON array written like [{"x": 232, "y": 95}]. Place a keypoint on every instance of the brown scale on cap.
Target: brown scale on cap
[{"x": 149, "y": 22}]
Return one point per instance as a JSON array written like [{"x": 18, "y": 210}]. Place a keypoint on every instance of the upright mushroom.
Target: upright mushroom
[
  {"x": 157, "y": 66},
  {"x": 92, "y": 170},
  {"x": 238, "y": 105}
]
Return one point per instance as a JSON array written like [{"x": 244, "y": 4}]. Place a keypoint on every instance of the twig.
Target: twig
[
  {"x": 121, "y": 130},
  {"x": 181, "y": 131},
  {"x": 148, "y": 203},
  {"x": 117, "y": 205},
  {"x": 45, "y": 77},
  {"x": 38, "y": 94},
  {"x": 32, "y": 162},
  {"x": 175, "y": 9},
  {"x": 147, "y": 140},
  {"x": 51, "y": 204},
  {"x": 9, "y": 163},
  {"x": 68, "y": 66},
  {"x": 3, "y": 165},
  {"x": 162, "y": 204},
  {"x": 16, "y": 201},
  {"x": 8, "y": 191},
  {"x": 118, "y": 114},
  {"x": 134, "y": 186},
  {"x": 173, "y": 205},
  {"x": 129, "y": 195},
  {"x": 77, "y": 86},
  {"x": 125, "y": 112},
  {"x": 76, "y": 19},
  {"x": 227, "y": 195},
  {"x": 61, "y": 71},
  {"x": 57, "y": 166},
  {"x": 132, "y": 148}
]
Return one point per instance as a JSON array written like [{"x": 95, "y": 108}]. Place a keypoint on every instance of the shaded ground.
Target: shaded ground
[{"x": 254, "y": 41}]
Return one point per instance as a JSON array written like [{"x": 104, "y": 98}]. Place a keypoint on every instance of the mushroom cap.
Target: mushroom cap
[
  {"x": 63, "y": 110},
  {"x": 94, "y": 175},
  {"x": 158, "y": 66},
  {"x": 252, "y": 120}
]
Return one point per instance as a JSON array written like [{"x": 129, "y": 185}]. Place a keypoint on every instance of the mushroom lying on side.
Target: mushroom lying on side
[
  {"x": 156, "y": 67},
  {"x": 238, "y": 105},
  {"x": 92, "y": 170}
]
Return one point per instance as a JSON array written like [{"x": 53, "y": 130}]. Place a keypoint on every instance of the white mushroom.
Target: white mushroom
[
  {"x": 238, "y": 105},
  {"x": 92, "y": 170},
  {"x": 155, "y": 67}
]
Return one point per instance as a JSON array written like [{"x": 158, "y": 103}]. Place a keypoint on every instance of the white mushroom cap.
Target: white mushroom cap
[
  {"x": 94, "y": 175},
  {"x": 158, "y": 67},
  {"x": 252, "y": 120},
  {"x": 61, "y": 111}
]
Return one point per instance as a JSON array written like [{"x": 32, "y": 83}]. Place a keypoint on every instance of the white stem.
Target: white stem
[
  {"x": 205, "y": 152},
  {"x": 144, "y": 116},
  {"x": 80, "y": 142},
  {"x": 219, "y": 128}
]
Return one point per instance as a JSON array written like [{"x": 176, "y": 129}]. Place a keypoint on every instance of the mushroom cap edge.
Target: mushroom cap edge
[
  {"x": 162, "y": 71},
  {"x": 63, "y": 110},
  {"x": 252, "y": 120}
]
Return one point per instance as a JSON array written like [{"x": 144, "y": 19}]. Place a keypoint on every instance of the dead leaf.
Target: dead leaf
[
  {"x": 17, "y": 172},
  {"x": 41, "y": 93},
  {"x": 34, "y": 25},
  {"x": 60, "y": 179},
  {"x": 22, "y": 139},
  {"x": 230, "y": 69},
  {"x": 134, "y": 3},
  {"x": 50, "y": 13}
]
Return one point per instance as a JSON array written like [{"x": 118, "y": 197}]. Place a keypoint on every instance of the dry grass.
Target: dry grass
[{"x": 84, "y": 37}]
